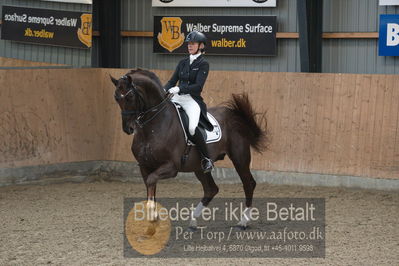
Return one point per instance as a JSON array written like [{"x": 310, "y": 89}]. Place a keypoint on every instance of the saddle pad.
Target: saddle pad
[{"x": 211, "y": 136}]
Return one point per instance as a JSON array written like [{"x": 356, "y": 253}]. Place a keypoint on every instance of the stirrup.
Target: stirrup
[{"x": 207, "y": 165}]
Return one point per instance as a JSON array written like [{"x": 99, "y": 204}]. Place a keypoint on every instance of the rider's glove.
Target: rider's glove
[{"x": 174, "y": 90}]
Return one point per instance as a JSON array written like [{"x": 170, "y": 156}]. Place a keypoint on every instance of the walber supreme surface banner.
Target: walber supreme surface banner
[
  {"x": 238, "y": 35},
  {"x": 214, "y": 3},
  {"x": 45, "y": 26},
  {"x": 87, "y": 2}
]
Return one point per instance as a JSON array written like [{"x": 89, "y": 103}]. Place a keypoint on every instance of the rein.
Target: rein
[{"x": 157, "y": 109}]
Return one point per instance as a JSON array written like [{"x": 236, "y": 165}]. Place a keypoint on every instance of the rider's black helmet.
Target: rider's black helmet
[{"x": 196, "y": 36}]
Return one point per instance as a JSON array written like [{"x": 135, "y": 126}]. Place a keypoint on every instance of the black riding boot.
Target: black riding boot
[{"x": 206, "y": 163}]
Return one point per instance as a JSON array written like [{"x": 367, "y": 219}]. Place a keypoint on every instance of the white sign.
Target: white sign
[
  {"x": 87, "y": 2},
  {"x": 392, "y": 34},
  {"x": 389, "y": 2},
  {"x": 214, "y": 3}
]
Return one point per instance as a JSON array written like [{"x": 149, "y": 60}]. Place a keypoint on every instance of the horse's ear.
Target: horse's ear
[
  {"x": 129, "y": 78},
  {"x": 113, "y": 80}
]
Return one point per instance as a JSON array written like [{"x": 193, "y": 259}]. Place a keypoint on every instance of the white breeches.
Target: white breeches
[{"x": 192, "y": 109}]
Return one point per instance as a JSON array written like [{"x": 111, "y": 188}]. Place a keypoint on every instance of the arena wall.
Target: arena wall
[
  {"x": 6, "y": 62},
  {"x": 50, "y": 116},
  {"x": 339, "y": 124}
]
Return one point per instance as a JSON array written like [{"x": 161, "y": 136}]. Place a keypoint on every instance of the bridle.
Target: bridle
[
  {"x": 155, "y": 110},
  {"x": 127, "y": 93},
  {"x": 140, "y": 119}
]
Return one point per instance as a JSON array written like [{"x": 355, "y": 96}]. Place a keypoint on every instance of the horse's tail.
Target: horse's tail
[{"x": 247, "y": 123}]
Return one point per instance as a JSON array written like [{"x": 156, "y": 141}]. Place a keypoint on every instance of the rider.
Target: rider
[{"x": 191, "y": 73}]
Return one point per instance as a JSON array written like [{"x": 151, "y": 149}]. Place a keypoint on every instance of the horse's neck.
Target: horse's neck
[
  {"x": 159, "y": 126},
  {"x": 153, "y": 100},
  {"x": 153, "y": 95}
]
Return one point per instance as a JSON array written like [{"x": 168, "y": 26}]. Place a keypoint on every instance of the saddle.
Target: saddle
[{"x": 209, "y": 136}]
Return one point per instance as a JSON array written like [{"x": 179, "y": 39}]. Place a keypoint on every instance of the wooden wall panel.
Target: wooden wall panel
[
  {"x": 12, "y": 62},
  {"x": 343, "y": 124},
  {"x": 50, "y": 116}
]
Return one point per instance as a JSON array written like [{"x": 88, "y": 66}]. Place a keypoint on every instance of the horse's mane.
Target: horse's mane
[{"x": 151, "y": 75}]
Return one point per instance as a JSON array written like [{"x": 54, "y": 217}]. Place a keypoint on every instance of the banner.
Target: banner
[
  {"x": 389, "y": 2},
  {"x": 214, "y": 3},
  {"x": 238, "y": 35},
  {"x": 45, "y": 26},
  {"x": 279, "y": 228},
  {"x": 87, "y": 2},
  {"x": 388, "y": 42}
]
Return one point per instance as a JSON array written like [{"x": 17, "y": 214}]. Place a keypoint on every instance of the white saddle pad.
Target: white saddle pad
[{"x": 211, "y": 136}]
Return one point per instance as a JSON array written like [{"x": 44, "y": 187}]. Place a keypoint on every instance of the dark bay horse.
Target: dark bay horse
[{"x": 159, "y": 141}]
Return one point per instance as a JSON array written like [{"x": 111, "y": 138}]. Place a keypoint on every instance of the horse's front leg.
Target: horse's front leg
[
  {"x": 166, "y": 170},
  {"x": 151, "y": 208}
]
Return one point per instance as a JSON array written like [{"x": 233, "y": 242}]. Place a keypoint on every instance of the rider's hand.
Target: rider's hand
[{"x": 174, "y": 90}]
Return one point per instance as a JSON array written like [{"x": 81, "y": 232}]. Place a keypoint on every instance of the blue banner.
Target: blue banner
[{"x": 389, "y": 35}]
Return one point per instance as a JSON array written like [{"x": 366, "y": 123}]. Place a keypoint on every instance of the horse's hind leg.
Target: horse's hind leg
[
  {"x": 210, "y": 190},
  {"x": 240, "y": 155}
]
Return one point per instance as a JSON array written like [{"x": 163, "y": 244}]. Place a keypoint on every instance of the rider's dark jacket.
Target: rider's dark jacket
[{"x": 191, "y": 81}]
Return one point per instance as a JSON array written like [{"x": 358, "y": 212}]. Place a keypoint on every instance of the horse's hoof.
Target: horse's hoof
[
  {"x": 141, "y": 238},
  {"x": 241, "y": 227},
  {"x": 192, "y": 229},
  {"x": 150, "y": 231}
]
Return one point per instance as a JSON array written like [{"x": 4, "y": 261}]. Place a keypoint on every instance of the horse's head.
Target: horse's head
[
  {"x": 136, "y": 92},
  {"x": 127, "y": 95}
]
